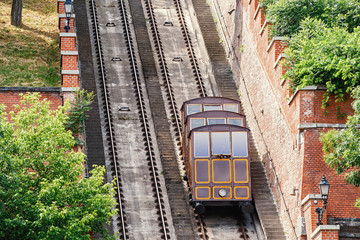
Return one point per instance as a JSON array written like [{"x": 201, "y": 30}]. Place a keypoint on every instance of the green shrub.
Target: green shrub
[
  {"x": 321, "y": 55},
  {"x": 286, "y": 15}
]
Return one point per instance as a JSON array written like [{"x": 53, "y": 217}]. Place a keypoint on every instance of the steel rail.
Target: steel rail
[
  {"x": 202, "y": 227},
  {"x": 163, "y": 65},
  {"x": 143, "y": 115},
  {"x": 243, "y": 231},
  {"x": 198, "y": 77},
  {"x": 188, "y": 42},
  {"x": 107, "y": 106}
]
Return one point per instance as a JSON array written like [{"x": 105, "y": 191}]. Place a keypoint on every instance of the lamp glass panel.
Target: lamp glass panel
[
  {"x": 68, "y": 7},
  {"x": 324, "y": 189}
]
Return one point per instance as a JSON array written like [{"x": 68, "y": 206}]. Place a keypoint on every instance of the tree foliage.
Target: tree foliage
[
  {"x": 42, "y": 193},
  {"x": 321, "y": 55},
  {"x": 342, "y": 147},
  {"x": 286, "y": 15},
  {"x": 77, "y": 112}
]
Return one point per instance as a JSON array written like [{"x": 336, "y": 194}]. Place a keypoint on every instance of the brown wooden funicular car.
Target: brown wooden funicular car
[{"x": 215, "y": 147}]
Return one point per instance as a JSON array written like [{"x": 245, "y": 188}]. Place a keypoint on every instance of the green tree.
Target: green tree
[
  {"x": 42, "y": 193},
  {"x": 321, "y": 55},
  {"x": 342, "y": 147},
  {"x": 286, "y": 15},
  {"x": 77, "y": 113}
]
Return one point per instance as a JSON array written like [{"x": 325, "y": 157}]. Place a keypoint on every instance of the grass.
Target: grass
[{"x": 29, "y": 54}]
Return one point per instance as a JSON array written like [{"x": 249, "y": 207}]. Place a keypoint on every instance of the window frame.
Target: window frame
[
  {"x": 241, "y": 119},
  {"x": 232, "y": 144},
  {"x": 237, "y": 107},
  {"x": 191, "y": 119},
  {"x": 207, "y": 120},
  {"x": 194, "y": 144},
  {"x": 189, "y": 105},
  {"x": 205, "y": 105}
]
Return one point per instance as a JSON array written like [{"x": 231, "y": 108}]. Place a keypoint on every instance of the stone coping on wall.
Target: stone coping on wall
[
  {"x": 67, "y": 34},
  {"x": 320, "y": 125},
  {"x": 39, "y": 89},
  {"x": 324, "y": 227},
  {"x": 63, "y": 15},
  {"x": 263, "y": 27},
  {"x": 69, "y": 89},
  {"x": 69, "y": 53},
  {"x": 70, "y": 72},
  {"x": 275, "y": 39},
  {"x": 311, "y": 197},
  {"x": 31, "y": 89},
  {"x": 281, "y": 55},
  {"x": 307, "y": 88}
]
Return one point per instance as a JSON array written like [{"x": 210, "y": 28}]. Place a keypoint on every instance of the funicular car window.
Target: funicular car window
[
  {"x": 239, "y": 140},
  {"x": 197, "y": 122},
  {"x": 236, "y": 121},
  {"x": 216, "y": 121},
  {"x": 193, "y": 108},
  {"x": 201, "y": 144},
  {"x": 220, "y": 143},
  {"x": 212, "y": 107},
  {"x": 231, "y": 107}
]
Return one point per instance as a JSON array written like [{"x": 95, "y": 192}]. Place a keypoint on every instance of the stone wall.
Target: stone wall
[{"x": 286, "y": 126}]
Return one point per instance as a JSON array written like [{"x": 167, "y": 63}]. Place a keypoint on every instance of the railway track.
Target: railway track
[
  {"x": 166, "y": 78},
  {"x": 170, "y": 92},
  {"x": 110, "y": 124},
  {"x": 181, "y": 216}
]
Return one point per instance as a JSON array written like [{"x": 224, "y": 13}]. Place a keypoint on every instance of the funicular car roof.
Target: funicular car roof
[
  {"x": 214, "y": 114},
  {"x": 210, "y": 100}
]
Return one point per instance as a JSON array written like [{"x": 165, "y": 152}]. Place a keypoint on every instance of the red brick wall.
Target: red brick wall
[
  {"x": 275, "y": 115},
  {"x": 68, "y": 43},
  {"x": 311, "y": 217},
  {"x": 306, "y": 107},
  {"x": 62, "y": 24},
  {"x": 12, "y": 97},
  {"x": 61, "y": 7},
  {"x": 327, "y": 235},
  {"x": 70, "y": 80},
  {"x": 311, "y": 110},
  {"x": 69, "y": 62},
  {"x": 342, "y": 196}
]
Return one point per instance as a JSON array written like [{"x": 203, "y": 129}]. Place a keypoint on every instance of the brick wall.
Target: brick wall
[
  {"x": 342, "y": 196},
  {"x": 290, "y": 123},
  {"x": 68, "y": 43},
  {"x": 69, "y": 55},
  {"x": 327, "y": 235},
  {"x": 62, "y": 23},
  {"x": 10, "y": 96},
  {"x": 311, "y": 110}
]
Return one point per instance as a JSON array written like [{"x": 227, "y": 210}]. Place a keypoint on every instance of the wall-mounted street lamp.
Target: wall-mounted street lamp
[
  {"x": 68, "y": 11},
  {"x": 324, "y": 191}
]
